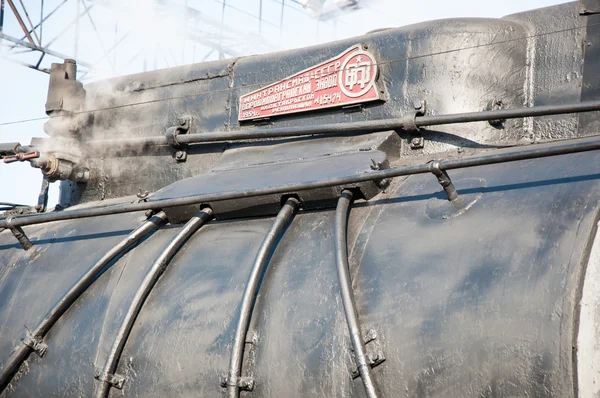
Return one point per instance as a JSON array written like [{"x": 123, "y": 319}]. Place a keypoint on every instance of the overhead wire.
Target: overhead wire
[{"x": 263, "y": 84}]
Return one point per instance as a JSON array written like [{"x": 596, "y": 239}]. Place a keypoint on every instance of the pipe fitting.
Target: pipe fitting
[{"x": 55, "y": 169}]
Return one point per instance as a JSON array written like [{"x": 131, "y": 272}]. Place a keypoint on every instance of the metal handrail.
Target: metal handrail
[{"x": 569, "y": 146}]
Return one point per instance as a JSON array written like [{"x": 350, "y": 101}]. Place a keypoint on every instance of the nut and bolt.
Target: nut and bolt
[
  {"x": 417, "y": 142},
  {"x": 375, "y": 165},
  {"x": 142, "y": 194},
  {"x": 181, "y": 156},
  {"x": 496, "y": 105}
]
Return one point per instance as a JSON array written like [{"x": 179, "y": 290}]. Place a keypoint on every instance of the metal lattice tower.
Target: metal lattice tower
[{"x": 112, "y": 37}]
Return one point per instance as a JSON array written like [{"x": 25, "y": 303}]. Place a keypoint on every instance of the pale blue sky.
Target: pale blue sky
[{"x": 23, "y": 91}]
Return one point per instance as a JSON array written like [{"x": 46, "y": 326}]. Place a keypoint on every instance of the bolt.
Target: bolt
[
  {"x": 417, "y": 142},
  {"x": 243, "y": 384},
  {"x": 179, "y": 154},
  {"x": 142, "y": 194}
]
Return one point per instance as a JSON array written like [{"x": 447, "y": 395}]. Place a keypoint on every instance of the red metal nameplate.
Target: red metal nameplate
[{"x": 346, "y": 79}]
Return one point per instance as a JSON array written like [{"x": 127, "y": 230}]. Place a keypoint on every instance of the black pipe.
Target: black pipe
[
  {"x": 9, "y": 148},
  {"x": 23, "y": 351},
  {"x": 142, "y": 293},
  {"x": 341, "y": 260},
  {"x": 283, "y": 219},
  {"x": 573, "y": 146},
  {"x": 499, "y": 114},
  {"x": 351, "y": 127}
]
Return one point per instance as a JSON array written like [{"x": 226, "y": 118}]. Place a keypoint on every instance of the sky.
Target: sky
[{"x": 155, "y": 41}]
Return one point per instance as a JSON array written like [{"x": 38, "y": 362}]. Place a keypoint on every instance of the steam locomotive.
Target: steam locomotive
[{"x": 412, "y": 212}]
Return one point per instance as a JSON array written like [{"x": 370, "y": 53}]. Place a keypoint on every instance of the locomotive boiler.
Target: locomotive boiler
[{"x": 408, "y": 213}]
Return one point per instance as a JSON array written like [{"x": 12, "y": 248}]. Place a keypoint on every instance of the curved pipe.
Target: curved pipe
[
  {"x": 283, "y": 219},
  {"x": 142, "y": 293},
  {"x": 341, "y": 259},
  {"x": 23, "y": 351}
]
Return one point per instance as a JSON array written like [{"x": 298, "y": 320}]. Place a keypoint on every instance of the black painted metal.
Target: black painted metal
[
  {"x": 265, "y": 252},
  {"x": 571, "y": 146},
  {"x": 23, "y": 351},
  {"x": 142, "y": 293},
  {"x": 475, "y": 297},
  {"x": 352, "y": 127},
  {"x": 341, "y": 259},
  {"x": 590, "y": 87}
]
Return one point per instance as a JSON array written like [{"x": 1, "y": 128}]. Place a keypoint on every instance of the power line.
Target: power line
[{"x": 274, "y": 81}]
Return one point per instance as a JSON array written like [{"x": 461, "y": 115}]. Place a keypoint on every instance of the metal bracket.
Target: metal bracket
[
  {"x": 115, "y": 380},
  {"x": 36, "y": 344},
  {"x": 180, "y": 148},
  {"x": 444, "y": 180},
  {"x": 375, "y": 354},
  {"x": 496, "y": 105},
  {"x": 243, "y": 383},
  {"x": 417, "y": 142},
  {"x": 43, "y": 196},
  {"x": 382, "y": 184},
  {"x": 18, "y": 233},
  {"x": 408, "y": 119},
  {"x": 352, "y": 108},
  {"x": 142, "y": 195}
]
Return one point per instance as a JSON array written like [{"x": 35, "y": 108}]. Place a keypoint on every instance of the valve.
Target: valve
[{"x": 53, "y": 167}]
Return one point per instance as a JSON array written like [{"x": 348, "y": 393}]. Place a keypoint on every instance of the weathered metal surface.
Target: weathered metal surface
[
  {"x": 478, "y": 296},
  {"x": 590, "y": 86},
  {"x": 588, "y": 335},
  {"x": 509, "y": 299},
  {"x": 209, "y": 93},
  {"x": 554, "y": 39}
]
